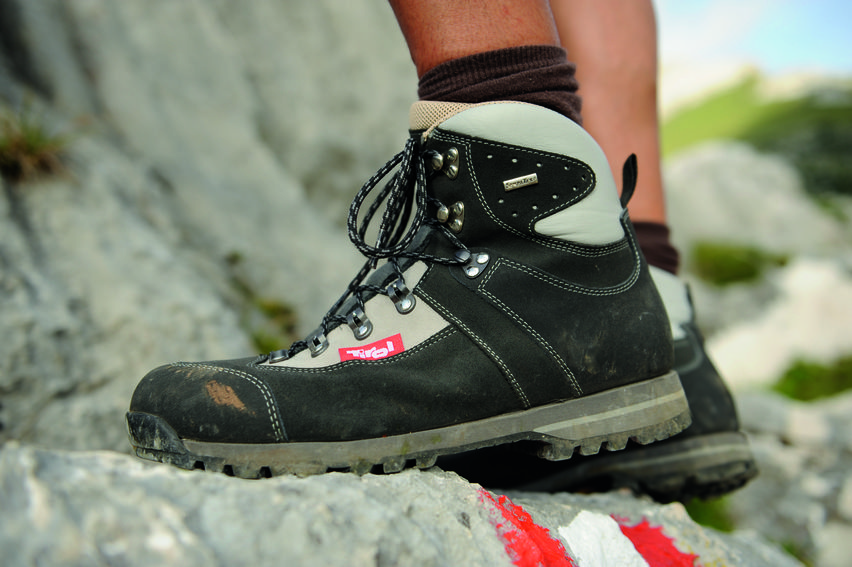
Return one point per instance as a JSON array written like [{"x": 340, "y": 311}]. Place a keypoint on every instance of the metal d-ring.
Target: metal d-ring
[
  {"x": 401, "y": 296},
  {"x": 317, "y": 342},
  {"x": 359, "y": 323}
]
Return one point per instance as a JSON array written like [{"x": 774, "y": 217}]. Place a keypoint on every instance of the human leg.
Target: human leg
[
  {"x": 437, "y": 31},
  {"x": 614, "y": 45},
  {"x": 504, "y": 299}
]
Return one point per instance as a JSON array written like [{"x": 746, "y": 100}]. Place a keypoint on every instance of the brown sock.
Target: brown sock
[
  {"x": 656, "y": 246},
  {"x": 538, "y": 74}
]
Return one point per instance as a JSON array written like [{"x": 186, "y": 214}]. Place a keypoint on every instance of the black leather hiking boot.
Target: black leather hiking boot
[
  {"x": 510, "y": 302},
  {"x": 710, "y": 458}
]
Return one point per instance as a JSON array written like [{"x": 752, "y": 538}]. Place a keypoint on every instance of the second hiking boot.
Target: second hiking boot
[
  {"x": 504, "y": 298},
  {"x": 711, "y": 458}
]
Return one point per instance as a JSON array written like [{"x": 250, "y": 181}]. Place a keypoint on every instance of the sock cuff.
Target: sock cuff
[
  {"x": 655, "y": 242},
  {"x": 482, "y": 67},
  {"x": 538, "y": 74}
]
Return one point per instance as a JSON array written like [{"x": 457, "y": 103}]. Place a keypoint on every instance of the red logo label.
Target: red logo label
[{"x": 374, "y": 351}]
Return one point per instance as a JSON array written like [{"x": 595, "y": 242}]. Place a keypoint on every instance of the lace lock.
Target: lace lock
[
  {"x": 359, "y": 323},
  {"x": 401, "y": 296},
  {"x": 474, "y": 263}
]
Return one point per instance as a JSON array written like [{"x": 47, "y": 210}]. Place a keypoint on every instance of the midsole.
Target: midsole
[{"x": 638, "y": 405}]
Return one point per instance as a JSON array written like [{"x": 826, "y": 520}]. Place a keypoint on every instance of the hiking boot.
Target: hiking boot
[
  {"x": 710, "y": 458},
  {"x": 505, "y": 299}
]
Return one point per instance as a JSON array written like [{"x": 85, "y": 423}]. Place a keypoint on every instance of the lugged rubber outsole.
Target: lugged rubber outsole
[
  {"x": 701, "y": 466},
  {"x": 643, "y": 412}
]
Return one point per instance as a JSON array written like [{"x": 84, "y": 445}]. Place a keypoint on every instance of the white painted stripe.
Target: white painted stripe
[{"x": 596, "y": 541}]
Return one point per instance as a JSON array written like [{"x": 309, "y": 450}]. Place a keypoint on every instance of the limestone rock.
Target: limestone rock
[
  {"x": 804, "y": 454},
  {"x": 805, "y": 320},
  {"x": 94, "y": 290},
  {"x": 194, "y": 129},
  {"x": 728, "y": 192},
  {"x": 100, "y": 508}
]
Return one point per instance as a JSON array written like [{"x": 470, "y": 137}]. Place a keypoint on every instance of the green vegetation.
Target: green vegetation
[
  {"x": 808, "y": 381},
  {"x": 271, "y": 323},
  {"x": 27, "y": 147},
  {"x": 279, "y": 325},
  {"x": 728, "y": 114},
  {"x": 814, "y": 132},
  {"x": 711, "y": 513},
  {"x": 723, "y": 264}
]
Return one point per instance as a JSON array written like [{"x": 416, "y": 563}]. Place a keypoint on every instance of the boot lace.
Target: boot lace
[{"x": 406, "y": 203}]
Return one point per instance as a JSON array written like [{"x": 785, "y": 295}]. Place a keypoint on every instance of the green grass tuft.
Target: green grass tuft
[
  {"x": 808, "y": 381},
  {"x": 27, "y": 148},
  {"x": 278, "y": 326},
  {"x": 711, "y": 513},
  {"x": 724, "y": 264}
]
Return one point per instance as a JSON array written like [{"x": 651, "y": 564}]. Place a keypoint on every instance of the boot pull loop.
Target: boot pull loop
[{"x": 628, "y": 183}]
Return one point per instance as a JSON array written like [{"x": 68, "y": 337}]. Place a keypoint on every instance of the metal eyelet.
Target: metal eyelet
[
  {"x": 402, "y": 298},
  {"x": 462, "y": 255},
  {"x": 453, "y": 216},
  {"x": 451, "y": 163},
  {"x": 317, "y": 343},
  {"x": 359, "y": 323},
  {"x": 448, "y": 162},
  {"x": 278, "y": 356}
]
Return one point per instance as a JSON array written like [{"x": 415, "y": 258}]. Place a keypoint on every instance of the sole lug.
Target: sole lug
[
  {"x": 394, "y": 465},
  {"x": 426, "y": 462},
  {"x": 703, "y": 466}
]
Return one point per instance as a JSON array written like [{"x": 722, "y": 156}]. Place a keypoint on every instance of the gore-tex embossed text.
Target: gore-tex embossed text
[{"x": 374, "y": 351}]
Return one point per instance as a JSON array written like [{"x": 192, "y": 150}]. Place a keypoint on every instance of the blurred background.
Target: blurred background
[{"x": 175, "y": 177}]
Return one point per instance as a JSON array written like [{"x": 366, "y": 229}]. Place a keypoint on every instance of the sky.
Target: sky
[
  {"x": 777, "y": 35},
  {"x": 707, "y": 42}
]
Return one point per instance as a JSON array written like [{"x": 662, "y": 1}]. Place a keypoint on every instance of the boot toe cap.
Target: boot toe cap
[{"x": 210, "y": 402}]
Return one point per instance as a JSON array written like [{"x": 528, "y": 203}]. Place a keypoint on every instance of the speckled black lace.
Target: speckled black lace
[{"x": 406, "y": 203}]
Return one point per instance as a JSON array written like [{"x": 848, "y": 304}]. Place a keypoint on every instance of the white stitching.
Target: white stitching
[
  {"x": 493, "y": 355},
  {"x": 558, "y": 245},
  {"x": 440, "y": 335},
  {"x": 508, "y": 311},
  {"x": 562, "y": 284},
  {"x": 277, "y": 427}
]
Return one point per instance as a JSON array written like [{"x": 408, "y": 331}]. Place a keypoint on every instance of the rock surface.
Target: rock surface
[
  {"x": 90, "y": 508},
  {"x": 804, "y": 451},
  {"x": 184, "y": 202}
]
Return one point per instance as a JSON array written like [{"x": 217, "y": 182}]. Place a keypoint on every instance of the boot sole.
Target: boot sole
[
  {"x": 643, "y": 412},
  {"x": 704, "y": 466}
]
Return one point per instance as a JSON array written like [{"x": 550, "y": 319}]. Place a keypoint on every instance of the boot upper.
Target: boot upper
[{"x": 519, "y": 283}]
